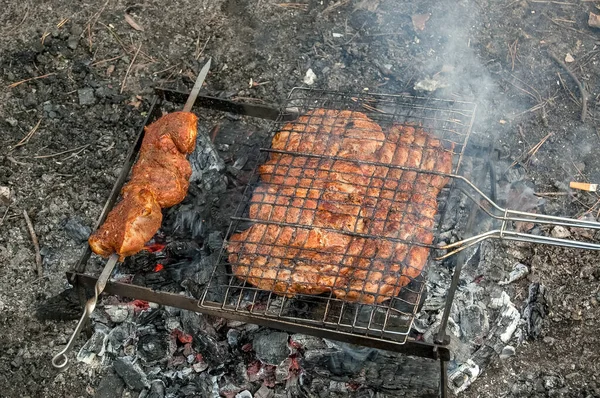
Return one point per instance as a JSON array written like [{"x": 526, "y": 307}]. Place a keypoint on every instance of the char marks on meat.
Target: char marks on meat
[{"x": 329, "y": 206}]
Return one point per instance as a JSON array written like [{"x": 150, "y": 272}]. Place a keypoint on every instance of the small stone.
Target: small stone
[
  {"x": 594, "y": 20},
  {"x": 86, "y": 96},
  {"x": 507, "y": 352},
  {"x": 549, "y": 340},
  {"x": 4, "y": 195},
  {"x": 310, "y": 77},
  {"x": 200, "y": 367},
  {"x": 12, "y": 121},
  {"x": 233, "y": 336},
  {"x": 117, "y": 313},
  {"x": 131, "y": 373},
  {"x": 264, "y": 392},
  {"x": 72, "y": 42},
  {"x": 244, "y": 394},
  {"x": 560, "y": 232},
  {"x": 569, "y": 58}
]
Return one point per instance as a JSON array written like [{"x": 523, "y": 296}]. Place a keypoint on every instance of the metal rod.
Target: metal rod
[
  {"x": 443, "y": 379},
  {"x": 197, "y": 86}
]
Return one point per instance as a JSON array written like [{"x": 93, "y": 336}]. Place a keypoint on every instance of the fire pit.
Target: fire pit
[{"x": 386, "y": 325}]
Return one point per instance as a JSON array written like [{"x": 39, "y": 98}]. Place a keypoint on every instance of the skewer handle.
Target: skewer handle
[{"x": 60, "y": 360}]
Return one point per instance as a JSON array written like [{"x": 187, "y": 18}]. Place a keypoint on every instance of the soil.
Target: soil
[{"x": 92, "y": 77}]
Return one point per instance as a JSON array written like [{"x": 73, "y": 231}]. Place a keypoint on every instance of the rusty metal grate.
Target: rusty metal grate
[{"x": 379, "y": 314}]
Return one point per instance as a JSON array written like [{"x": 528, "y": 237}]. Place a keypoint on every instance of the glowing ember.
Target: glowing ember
[
  {"x": 155, "y": 247},
  {"x": 158, "y": 267}
]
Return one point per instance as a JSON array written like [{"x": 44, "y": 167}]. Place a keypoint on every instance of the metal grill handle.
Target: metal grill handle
[{"x": 507, "y": 216}]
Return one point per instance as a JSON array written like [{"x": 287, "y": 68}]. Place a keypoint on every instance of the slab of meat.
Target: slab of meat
[
  {"x": 332, "y": 208},
  {"x": 159, "y": 179}
]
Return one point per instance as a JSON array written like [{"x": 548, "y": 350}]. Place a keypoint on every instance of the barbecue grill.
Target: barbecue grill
[{"x": 387, "y": 324}]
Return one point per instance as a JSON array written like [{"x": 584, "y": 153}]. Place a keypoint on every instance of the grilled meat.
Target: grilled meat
[
  {"x": 332, "y": 208},
  {"x": 159, "y": 179}
]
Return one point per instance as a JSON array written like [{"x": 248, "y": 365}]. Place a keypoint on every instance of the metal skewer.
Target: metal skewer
[{"x": 60, "y": 360}]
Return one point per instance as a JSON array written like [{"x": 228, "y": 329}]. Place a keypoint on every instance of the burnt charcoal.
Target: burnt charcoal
[
  {"x": 205, "y": 158},
  {"x": 65, "y": 306},
  {"x": 187, "y": 223},
  {"x": 215, "y": 241},
  {"x": 92, "y": 348},
  {"x": 131, "y": 373},
  {"x": 349, "y": 359},
  {"x": 157, "y": 389},
  {"x": 205, "y": 385},
  {"x": 215, "y": 291},
  {"x": 111, "y": 385},
  {"x": 233, "y": 337},
  {"x": 183, "y": 249},
  {"x": 536, "y": 309},
  {"x": 205, "y": 338},
  {"x": 76, "y": 230},
  {"x": 144, "y": 261},
  {"x": 197, "y": 269},
  {"x": 120, "y": 334},
  {"x": 152, "y": 348},
  {"x": 159, "y": 280},
  {"x": 271, "y": 347},
  {"x": 264, "y": 392},
  {"x": 50, "y": 256}
]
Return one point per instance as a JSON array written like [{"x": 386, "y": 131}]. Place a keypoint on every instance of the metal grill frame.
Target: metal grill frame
[
  {"x": 448, "y": 120},
  {"x": 78, "y": 278}
]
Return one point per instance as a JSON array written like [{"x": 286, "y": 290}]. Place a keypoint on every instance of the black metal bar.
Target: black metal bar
[
  {"x": 241, "y": 108},
  {"x": 443, "y": 379},
  {"x": 411, "y": 347},
  {"x": 114, "y": 194}
]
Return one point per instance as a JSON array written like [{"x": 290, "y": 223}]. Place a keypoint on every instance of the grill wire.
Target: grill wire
[{"x": 390, "y": 318}]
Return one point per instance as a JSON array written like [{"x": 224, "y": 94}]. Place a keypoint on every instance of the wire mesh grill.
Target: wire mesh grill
[{"x": 337, "y": 226}]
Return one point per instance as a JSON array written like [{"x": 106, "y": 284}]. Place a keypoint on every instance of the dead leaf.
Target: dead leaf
[
  {"x": 594, "y": 20},
  {"x": 132, "y": 23},
  {"x": 419, "y": 20},
  {"x": 569, "y": 58},
  {"x": 110, "y": 70}
]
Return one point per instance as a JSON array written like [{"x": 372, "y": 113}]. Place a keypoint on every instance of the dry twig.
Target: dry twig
[
  {"x": 129, "y": 68},
  {"x": 199, "y": 53},
  {"x": 61, "y": 153},
  {"x": 582, "y": 90},
  {"x": 297, "y": 6},
  {"x": 334, "y": 6},
  {"x": 36, "y": 245},
  {"x": 5, "y": 213},
  {"x": 26, "y": 139},
  {"x": 15, "y": 84},
  {"x": 532, "y": 151},
  {"x": 512, "y": 53}
]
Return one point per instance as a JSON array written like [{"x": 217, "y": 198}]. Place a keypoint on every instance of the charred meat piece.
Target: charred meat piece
[
  {"x": 333, "y": 208},
  {"x": 159, "y": 179}
]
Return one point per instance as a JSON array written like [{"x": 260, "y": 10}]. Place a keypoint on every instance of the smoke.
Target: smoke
[{"x": 453, "y": 56}]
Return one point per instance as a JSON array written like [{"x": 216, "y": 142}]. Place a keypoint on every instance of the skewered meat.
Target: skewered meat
[
  {"x": 332, "y": 208},
  {"x": 160, "y": 178}
]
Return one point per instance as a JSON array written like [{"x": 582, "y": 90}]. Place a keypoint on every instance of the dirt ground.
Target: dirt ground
[{"x": 65, "y": 133}]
